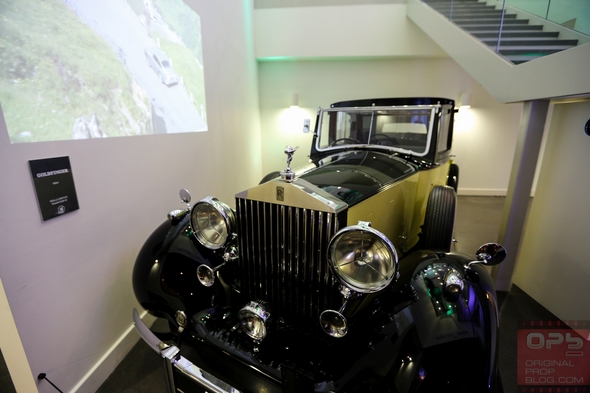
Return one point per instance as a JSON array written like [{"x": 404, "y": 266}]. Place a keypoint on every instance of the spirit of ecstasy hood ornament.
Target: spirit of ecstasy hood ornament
[{"x": 287, "y": 174}]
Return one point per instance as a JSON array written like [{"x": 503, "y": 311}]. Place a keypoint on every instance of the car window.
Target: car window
[
  {"x": 406, "y": 129},
  {"x": 444, "y": 139}
]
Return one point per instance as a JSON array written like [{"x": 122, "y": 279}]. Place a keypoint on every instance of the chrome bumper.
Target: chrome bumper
[{"x": 173, "y": 359}]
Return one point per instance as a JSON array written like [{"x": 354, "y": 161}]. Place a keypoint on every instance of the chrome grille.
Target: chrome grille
[{"x": 283, "y": 260}]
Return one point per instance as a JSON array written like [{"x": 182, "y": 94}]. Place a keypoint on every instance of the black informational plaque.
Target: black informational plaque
[{"x": 54, "y": 185}]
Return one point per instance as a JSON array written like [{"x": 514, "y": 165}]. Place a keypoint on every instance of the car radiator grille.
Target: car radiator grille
[{"x": 283, "y": 261}]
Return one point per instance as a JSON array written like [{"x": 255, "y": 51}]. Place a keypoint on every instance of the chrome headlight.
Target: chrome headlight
[
  {"x": 213, "y": 222},
  {"x": 254, "y": 317},
  {"x": 363, "y": 258}
]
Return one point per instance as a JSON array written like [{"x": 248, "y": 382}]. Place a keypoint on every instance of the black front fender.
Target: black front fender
[{"x": 164, "y": 275}]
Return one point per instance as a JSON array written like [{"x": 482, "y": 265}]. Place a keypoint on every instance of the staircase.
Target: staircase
[{"x": 520, "y": 41}]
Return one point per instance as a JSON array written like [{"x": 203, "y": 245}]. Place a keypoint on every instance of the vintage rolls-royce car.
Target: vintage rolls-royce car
[{"x": 337, "y": 277}]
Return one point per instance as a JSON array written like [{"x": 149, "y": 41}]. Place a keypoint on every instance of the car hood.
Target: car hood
[{"x": 355, "y": 176}]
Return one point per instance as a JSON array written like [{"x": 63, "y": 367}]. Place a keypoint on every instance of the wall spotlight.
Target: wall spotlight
[
  {"x": 295, "y": 101},
  {"x": 464, "y": 101}
]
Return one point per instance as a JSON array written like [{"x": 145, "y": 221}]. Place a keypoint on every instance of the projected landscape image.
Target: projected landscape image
[{"x": 81, "y": 69}]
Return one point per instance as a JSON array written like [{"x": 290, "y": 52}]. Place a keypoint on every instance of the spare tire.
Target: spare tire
[
  {"x": 453, "y": 177},
  {"x": 439, "y": 221},
  {"x": 270, "y": 176}
]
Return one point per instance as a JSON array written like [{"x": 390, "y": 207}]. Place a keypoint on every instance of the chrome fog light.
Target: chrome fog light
[
  {"x": 363, "y": 258},
  {"x": 254, "y": 317},
  {"x": 213, "y": 222},
  {"x": 334, "y": 323}
]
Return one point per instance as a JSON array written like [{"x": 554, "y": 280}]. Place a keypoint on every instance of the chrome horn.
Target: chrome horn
[
  {"x": 334, "y": 322},
  {"x": 206, "y": 274}
]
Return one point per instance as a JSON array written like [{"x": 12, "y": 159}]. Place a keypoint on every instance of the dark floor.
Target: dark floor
[
  {"x": 6, "y": 385},
  {"x": 478, "y": 221}
]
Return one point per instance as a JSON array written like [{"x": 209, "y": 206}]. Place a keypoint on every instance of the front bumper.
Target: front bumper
[{"x": 173, "y": 360}]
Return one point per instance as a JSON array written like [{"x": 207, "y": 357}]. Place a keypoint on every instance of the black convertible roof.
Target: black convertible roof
[{"x": 393, "y": 102}]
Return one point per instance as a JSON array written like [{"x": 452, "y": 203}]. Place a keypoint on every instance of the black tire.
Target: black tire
[
  {"x": 453, "y": 177},
  {"x": 439, "y": 222},
  {"x": 270, "y": 176}
]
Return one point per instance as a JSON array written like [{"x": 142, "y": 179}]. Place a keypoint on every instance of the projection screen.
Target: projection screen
[{"x": 81, "y": 69}]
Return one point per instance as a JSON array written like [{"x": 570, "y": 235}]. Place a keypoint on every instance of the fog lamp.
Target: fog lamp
[
  {"x": 213, "y": 222},
  {"x": 254, "y": 317}
]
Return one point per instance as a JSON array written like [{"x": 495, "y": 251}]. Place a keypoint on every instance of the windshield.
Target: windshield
[{"x": 406, "y": 129}]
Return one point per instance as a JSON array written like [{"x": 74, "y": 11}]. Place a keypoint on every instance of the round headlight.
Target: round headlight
[
  {"x": 363, "y": 258},
  {"x": 253, "y": 319},
  {"x": 213, "y": 222}
]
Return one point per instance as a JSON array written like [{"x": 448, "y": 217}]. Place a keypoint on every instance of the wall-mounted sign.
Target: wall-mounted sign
[{"x": 54, "y": 185}]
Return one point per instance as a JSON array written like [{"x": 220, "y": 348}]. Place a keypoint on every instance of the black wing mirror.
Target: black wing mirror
[
  {"x": 489, "y": 254},
  {"x": 177, "y": 214}
]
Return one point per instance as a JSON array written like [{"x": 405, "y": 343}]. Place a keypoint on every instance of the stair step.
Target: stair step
[
  {"x": 523, "y": 50},
  {"x": 476, "y": 17},
  {"x": 474, "y": 7},
  {"x": 531, "y": 42},
  {"x": 519, "y": 59},
  {"x": 490, "y": 21},
  {"x": 460, "y": 5},
  {"x": 495, "y": 27},
  {"x": 532, "y": 34},
  {"x": 470, "y": 12},
  {"x": 478, "y": 12},
  {"x": 454, "y": 2}
]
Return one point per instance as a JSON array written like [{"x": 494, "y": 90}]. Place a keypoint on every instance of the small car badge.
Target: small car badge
[
  {"x": 287, "y": 174},
  {"x": 280, "y": 193}
]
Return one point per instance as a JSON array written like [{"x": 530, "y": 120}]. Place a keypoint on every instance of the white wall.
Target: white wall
[
  {"x": 485, "y": 135},
  {"x": 370, "y": 30},
  {"x": 553, "y": 265},
  {"x": 328, "y": 54},
  {"x": 68, "y": 280}
]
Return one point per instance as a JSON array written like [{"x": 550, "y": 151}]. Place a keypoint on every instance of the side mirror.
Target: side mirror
[
  {"x": 185, "y": 196},
  {"x": 177, "y": 214},
  {"x": 489, "y": 254}
]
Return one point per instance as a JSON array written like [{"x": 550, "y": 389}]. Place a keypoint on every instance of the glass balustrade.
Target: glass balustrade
[
  {"x": 521, "y": 30},
  {"x": 573, "y": 14}
]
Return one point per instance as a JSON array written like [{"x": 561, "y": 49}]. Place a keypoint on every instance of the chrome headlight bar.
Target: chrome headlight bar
[
  {"x": 363, "y": 258},
  {"x": 364, "y": 261},
  {"x": 214, "y": 225}
]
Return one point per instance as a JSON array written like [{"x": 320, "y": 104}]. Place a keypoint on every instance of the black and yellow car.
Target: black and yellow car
[{"x": 336, "y": 277}]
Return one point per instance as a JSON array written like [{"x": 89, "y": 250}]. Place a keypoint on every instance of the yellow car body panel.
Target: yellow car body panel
[{"x": 398, "y": 211}]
